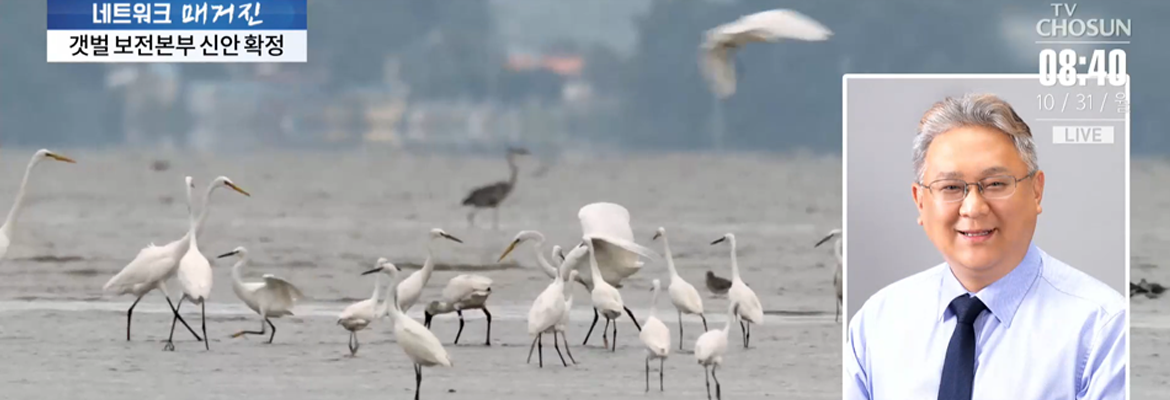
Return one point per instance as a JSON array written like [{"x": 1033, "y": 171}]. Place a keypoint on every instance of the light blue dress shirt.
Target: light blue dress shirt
[{"x": 1049, "y": 332}]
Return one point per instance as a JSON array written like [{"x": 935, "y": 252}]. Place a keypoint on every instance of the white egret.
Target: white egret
[
  {"x": 194, "y": 270},
  {"x": 546, "y": 313},
  {"x": 411, "y": 288},
  {"x": 837, "y": 281},
  {"x": 606, "y": 299},
  {"x": 748, "y": 305},
  {"x": 721, "y": 42},
  {"x": 152, "y": 267},
  {"x": 710, "y": 348},
  {"x": 463, "y": 292},
  {"x": 537, "y": 240},
  {"x": 271, "y": 298},
  {"x": 423, "y": 348},
  {"x": 607, "y": 227},
  {"x": 656, "y": 337},
  {"x": 6, "y": 230},
  {"x": 359, "y": 315},
  {"x": 563, "y": 324},
  {"x": 682, "y": 294}
]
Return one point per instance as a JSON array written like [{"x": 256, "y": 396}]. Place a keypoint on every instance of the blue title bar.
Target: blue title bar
[{"x": 177, "y": 15}]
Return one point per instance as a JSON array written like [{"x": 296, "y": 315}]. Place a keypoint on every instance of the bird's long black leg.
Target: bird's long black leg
[
  {"x": 680, "y": 331},
  {"x": 718, "y": 391},
  {"x": 531, "y": 348},
  {"x": 704, "y": 317},
  {"x": 129, "y": 313},
  {"x": 171, "y": 338},
  {"x": 263, "y": 330},
  {"x": 614, "y": 335},
  {"x": 707, "y": 377},
  {"x": 184, "y": 322},
  {"x": 273, "y": 335},
  {"x": 647, "y": 374},
  {"x": 661, "y": 368},
  {"x": 747, "y": 336},
  {"x": 558, "y": 347},
  {"x": 743, "y": 333},
  {"x": 567, "y": 350},
  {"x": 632, "y": 318},
  {"x": 352, "y": 348},
  {"x": 417, "y": 380},
  {"x": 488, "y": 341},
  {"x": 460, "y": 333},
  {"x": 587, "y": 334},
  {"x": 189, "y": 329},
  {"x": 540, "y": 348},
  {"x": 203, "y": 320}
]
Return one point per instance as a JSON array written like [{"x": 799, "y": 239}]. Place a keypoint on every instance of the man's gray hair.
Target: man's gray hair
[{"x": 973, "y": 109}]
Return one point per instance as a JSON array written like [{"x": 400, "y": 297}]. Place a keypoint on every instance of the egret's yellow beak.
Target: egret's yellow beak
[
  {"x": 237, "y": 188},
  {"x": 508, "y": 250},
  {"x": 59, "y": 157}
]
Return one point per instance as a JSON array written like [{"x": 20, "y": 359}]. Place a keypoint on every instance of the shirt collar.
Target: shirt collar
[{"x": 1003, "y": 297}]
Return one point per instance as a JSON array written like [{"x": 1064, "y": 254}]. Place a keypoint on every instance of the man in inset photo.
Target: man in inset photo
[{"x": 999, "y": 318}]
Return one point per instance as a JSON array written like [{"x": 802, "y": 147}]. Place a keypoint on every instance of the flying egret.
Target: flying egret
[
  {"x": 423, "y": 348},
  {"x": 194, "y": 270},
  {"x": 411, "y": 288},
  {"x": 656, "y": 337},
  {"x": 710, "y": 348},
  {"x": 271, "y": 298},
  {"x": 721, "y": 42},
  {"x": 682, "y": 294},
  {"x": 153, "y": 267},
  {"x": 463, "y": 292},
  {"x": 490, "y": 196},
  {"x": 607, "y": 227},
  {"x": 359, "y": 315},
  {"x": 547, "y": 312},
  {"x": 6, "y": 230},
  {"x": 837, "y": 281},
  {"x": 748, "y": 305}
]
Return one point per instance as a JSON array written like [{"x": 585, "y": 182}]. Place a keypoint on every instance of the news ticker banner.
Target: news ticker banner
[{"x": 222, "y": 31}]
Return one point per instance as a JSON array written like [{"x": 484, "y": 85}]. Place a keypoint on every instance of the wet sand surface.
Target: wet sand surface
[{"x": 320, "y": 219}]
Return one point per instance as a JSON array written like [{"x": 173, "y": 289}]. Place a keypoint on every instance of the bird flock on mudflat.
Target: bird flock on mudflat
[{"x": 606, "y": 256}]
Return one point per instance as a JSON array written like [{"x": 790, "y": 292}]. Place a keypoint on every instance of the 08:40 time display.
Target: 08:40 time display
[{"x": 1062, "y": 68}]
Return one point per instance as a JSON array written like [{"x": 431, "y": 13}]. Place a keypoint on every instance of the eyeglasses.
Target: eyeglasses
[{"x": 992, "y": 187}]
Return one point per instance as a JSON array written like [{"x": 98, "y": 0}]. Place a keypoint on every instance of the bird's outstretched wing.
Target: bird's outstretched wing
[
  {"x": 766, "y": 26},
  {"x": 283, "y": 294}
]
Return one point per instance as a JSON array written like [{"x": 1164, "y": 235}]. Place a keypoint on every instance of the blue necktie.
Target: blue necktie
[{"x": 958, "y": 374}]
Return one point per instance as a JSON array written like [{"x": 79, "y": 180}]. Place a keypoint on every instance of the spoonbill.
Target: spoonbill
[
  {"x": 411, "y": 288},
  {"x": 721, "y": 42},
  {"x": 152, "y": 267},
  {"x": 463, "y": 292},
  {"x": 271, "y": 298},
  {"x": 710, "y": 348},
  {"x": 837, "y": 281},
  {"x": 682, "y": 294},
  {"x": 423, "y": 348},
  {"x": 748, "y": 305},
  {"x": 656, "y": 336},
  {"x": 6, "y": 230},
  {"x": 359, "y": 315},
  {"x": 194, "y": 270}
]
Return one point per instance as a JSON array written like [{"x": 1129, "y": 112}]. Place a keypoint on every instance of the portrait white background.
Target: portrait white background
[{"x": 1084, "y": 216}]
